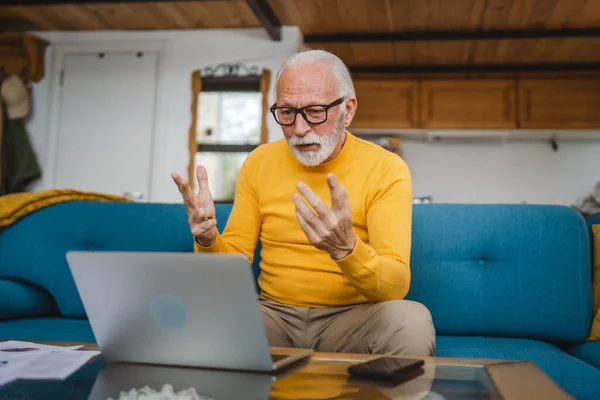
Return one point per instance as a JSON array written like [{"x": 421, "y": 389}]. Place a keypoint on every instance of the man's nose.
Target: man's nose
[{"x": 301, "y": 127}]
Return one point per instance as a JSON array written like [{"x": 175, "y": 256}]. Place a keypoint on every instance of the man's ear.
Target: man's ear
[{"x": 351, "y": 105}]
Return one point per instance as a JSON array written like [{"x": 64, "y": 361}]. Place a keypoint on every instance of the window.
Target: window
[{"x": 228, "y": 123}]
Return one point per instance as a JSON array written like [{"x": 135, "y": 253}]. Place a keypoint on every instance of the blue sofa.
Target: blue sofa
[
  {"x": 501, "y": 281},
  {"x": 589, "y": 351}
]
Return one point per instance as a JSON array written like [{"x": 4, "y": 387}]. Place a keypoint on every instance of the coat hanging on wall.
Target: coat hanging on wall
[{"x": 20, "y": 166}]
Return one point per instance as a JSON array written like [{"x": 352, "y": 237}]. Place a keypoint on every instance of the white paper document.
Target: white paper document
[
  {"x": 26, "y": 360},
  {"x": 56, "y": 365},
  {"x": 18, "y": 346}
]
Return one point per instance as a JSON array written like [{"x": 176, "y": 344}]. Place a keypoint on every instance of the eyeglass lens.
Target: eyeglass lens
[{"x": 315, "y": 114}]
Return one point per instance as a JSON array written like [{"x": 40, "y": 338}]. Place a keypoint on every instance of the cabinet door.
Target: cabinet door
[
  {"x": 559, "y": 103},
  {"x": 468, "y": 104},
  {"x": 386, "y": 104}
]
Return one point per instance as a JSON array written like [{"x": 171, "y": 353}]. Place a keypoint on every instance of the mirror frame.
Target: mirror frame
[{"x": 265, "y": 84}]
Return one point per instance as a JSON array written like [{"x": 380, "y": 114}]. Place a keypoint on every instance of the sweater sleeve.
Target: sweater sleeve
[
  {"x": 379, "y": 269},
  {"x": 243, "y": 224}
]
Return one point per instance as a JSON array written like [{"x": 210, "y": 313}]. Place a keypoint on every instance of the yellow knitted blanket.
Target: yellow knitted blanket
[{"x": 17, "y": 205}]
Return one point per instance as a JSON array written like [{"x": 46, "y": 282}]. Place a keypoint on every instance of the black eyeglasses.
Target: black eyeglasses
[{"x": 313, "y": 114}]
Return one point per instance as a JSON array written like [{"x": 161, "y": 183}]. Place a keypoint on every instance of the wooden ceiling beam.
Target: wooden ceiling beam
[
  {"x": 267, "y": 17},
  {"x": 419, "y": 36},
  {"x": 474, "y": 68}
]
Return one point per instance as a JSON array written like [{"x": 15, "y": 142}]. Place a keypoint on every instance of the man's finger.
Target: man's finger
[
  {"x": 190, "y": 200},
  {"x": 339, "y": 197},
  {"x": 326, "y": 215},
  {"x": 178, "y": 181},
  {"x": 200, "y": 229},
  {"x": 202, "y": 177},
  {"x": 200, "y": 214},
  {"x": 184, "y": 188},
  {"x": 308, "y": 230},
  {"x": 315, "y": 201},
  {"x": 176, "y": 178},
  {"x": 308, "y": 216}
]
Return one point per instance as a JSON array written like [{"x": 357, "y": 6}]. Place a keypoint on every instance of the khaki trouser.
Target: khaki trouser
[{"x": 390, "y": 327}]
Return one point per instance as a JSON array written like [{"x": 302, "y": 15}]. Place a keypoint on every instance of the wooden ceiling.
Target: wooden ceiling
[
  {"x": 343, "y": 26},
  {"x": 129, "y": 16},
  {"x": 311, "y": 16},
  {"x": 451, "y": 16},
  {"x": 575, "y": 50},
  {"x": 335, "y": 16}
]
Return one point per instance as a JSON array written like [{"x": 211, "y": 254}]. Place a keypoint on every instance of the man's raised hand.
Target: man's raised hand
[
  {"x": 330, "y": 229},
  {"x": 200, "y": 207}
]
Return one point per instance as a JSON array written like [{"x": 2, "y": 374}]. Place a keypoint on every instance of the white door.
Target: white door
[{"x": 106, "y": 123}]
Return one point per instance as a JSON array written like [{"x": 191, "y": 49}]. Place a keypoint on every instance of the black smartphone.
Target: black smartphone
[{"x": 386, "y": 368}]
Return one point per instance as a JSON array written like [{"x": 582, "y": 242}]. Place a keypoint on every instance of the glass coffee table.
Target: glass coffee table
[{"x": 324, "y": 376}]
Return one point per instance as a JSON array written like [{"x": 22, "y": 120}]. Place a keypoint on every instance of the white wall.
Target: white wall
[
  {"x": 512, "y": 172},
  {"x": 186, "y": 51}
]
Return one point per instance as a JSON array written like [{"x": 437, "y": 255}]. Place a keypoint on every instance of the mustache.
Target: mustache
[{"x": 308, "y": 139}]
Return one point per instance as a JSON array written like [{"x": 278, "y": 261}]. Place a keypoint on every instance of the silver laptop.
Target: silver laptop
[{"x": 180, "y": 309}]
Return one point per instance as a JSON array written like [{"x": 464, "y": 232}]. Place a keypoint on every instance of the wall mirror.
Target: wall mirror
[{"x": 229, "y": 111}]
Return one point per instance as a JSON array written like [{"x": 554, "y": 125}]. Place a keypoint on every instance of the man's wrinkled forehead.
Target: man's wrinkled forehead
[
  {"x": 300, "y": 96},
  {"x": 308, "y": 82}
]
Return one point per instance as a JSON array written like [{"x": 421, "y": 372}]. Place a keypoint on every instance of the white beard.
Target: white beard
[{"x": 327, "y": 144}]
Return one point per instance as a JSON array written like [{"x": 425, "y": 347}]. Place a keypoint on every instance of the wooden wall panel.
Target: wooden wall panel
[
  {"x": 386, "y": 104},
  {"x": 559, "y": 103},
  {"x": 468, "y": 104}
]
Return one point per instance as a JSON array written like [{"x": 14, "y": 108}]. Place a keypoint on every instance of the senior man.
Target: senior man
[{"x": 333, "y": 213}]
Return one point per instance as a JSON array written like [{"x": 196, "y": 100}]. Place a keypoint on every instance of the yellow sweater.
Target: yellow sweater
[{"x": 294, "y": 272}]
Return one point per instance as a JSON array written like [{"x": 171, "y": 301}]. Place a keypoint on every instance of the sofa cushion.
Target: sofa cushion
[
  {"x": 578, "y": 378},
  {"x": 18, "y": 299},
  {"x": 33, "y": 249},
  {"x": 50, "y": 329},
  {"x": 589, "y": 352},
  {"x": 503, "y": 270}
]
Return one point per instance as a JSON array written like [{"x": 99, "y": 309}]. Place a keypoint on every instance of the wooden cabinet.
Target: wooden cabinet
[
  {"x": 559, "y": 103},
  {"x": 386, "y": 104},
  {"x": 532, "y": 103},
  {"x": 468, "y": 104}
]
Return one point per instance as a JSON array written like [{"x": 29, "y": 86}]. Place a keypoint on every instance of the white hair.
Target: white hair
[{"x": 314, "y": 57}]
